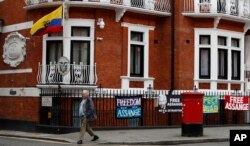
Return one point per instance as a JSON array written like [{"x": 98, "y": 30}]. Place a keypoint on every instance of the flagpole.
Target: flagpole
[
  {"x": 64, "y": 30},
  {"x": 63, "y": 14}
]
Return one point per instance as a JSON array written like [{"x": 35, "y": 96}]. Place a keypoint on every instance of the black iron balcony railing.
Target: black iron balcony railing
[{"x": 78, "y": 74}]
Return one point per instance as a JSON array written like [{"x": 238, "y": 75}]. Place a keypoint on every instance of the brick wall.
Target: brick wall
[{"x": 20, "y": 108}]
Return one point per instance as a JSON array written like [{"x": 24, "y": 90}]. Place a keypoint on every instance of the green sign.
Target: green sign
[{"x": 210, "y": 104}]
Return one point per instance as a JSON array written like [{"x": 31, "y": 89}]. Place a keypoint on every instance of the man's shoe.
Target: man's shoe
[
  {"x": 79, "y": 142},
  {"x": 95, "y": 138}
]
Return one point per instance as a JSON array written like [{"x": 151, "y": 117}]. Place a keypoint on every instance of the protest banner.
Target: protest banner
[
  {"x": 236, "y": 103},
  {"x": 128, "y": 107},
  {"x": 169, "y": 103},
  {"x": 210, "y": 104}
]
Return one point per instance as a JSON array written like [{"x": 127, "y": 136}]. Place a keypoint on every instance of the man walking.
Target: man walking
[{"x": 87, "y": 113}]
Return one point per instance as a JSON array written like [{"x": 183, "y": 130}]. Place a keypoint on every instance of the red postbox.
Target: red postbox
[{"x": 192, "y": 114}]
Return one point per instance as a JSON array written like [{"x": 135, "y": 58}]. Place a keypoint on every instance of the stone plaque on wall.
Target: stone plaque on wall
[{"x": 14, "y": 49}]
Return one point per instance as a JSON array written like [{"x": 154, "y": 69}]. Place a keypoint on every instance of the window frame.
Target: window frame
[
  {"x": 145, "y": 30},
  {"x": 47, "y": 50},
  {"x": 214, "y": 80},
  {"x": 141, "y": 66},
  {"x": 66, "y": 37},
  {"x": 209, "y": 40},
  {"x": 238, "y": 65},
  {"x": 209, "y": 64},
  {"x": 225, "y": 76},
  {"x": 71, "y": 50}
]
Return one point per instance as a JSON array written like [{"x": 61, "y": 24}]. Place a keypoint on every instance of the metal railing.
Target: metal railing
[
  {"x": 65, "y": 109},
  {"x": 152, "y": 5},
  {"x": 240, "y": 8},
  {"x": 78, "y": 74}
]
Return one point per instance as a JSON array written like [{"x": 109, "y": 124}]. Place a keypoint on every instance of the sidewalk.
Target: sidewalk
[{"x": 166, "y": 136}]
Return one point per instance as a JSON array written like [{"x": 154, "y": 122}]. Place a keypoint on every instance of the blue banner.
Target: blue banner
[
  {"x": 128, "y": 107},
  {"x": 125, "y": 112}
]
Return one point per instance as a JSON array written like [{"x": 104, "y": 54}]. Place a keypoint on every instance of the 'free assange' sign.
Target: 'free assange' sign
[{"x": 128, "y": 107}]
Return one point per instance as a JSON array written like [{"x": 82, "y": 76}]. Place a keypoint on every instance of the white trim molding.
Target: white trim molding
[
  {"x": 16, "y": 71},
  {"x": 21, "y": 92},
  {"x": 17, "y": 27},
  {"x": 147, "y": 81},
  {"x": 140, "y": 26}
]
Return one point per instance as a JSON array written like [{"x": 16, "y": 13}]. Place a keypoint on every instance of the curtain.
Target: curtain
[
  {"x": 204, "y": 62},
  {"x": 54, "y": 51},
  {"x": 80, "y": 52}
]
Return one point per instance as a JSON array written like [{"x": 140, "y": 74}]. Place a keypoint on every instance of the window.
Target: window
[
  {"x": 136, "y": 36},
  {"x": 218, "y": 58},
  {"x": 235, "y": 43},
  {"x": 235, "y": 65},
  {"x": 54, "y": 51},
  {"x": 80, "y": 52},
  {"x": 136, "y": 60},
  {"x": 205, "y": 63},
  {"x": 136, "y": 54},
  {"x": 222, "y": 57},
  {"x": 204, "y": 40},
  {"x": 80, "y": 49},
  {"x": 222, "y": 41},
  {"x": 80, "y": 31},
  {"x": 222, "y": 64},
  {"x": 204, "y": 57}
]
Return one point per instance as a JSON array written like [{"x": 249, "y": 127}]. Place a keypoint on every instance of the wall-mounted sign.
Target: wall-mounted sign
[
  {"x": 210, "y": 104},
  {"x": 128, "y": 107},
  {"x": 63, "y": 65},
  {"x": 237, "y": 103},
  {"x": 46, "y": 101},
  {"x": 14, "y": 49},
  {"x": 169, "y": 103}
]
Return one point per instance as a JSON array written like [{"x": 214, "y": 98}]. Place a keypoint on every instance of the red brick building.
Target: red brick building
[{"x": 121, "y": 44}]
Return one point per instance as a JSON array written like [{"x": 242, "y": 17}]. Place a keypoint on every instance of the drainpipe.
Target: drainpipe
[
  {"x": 172, "y": 55},
  {"x": 172, "y": 77}
]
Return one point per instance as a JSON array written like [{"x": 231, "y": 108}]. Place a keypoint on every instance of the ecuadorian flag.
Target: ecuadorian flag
[{"x": 51, "y": 23}]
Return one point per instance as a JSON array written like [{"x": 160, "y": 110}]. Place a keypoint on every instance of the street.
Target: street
[
  {"x": 13, "y": 141},
  {"x": 207, "y": 144}
]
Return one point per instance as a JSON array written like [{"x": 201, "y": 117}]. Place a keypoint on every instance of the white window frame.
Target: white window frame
[
  {"x": 66, "y": 38},
  {"x": 214, "y": 33},
  {"x": 145, "y": 30}
]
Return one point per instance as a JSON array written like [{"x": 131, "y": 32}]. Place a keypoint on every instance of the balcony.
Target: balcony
[
  {"x": 75, "y": 74},
  {"x": 153, "y": 7},
  {"x": 234, "y": 10}
]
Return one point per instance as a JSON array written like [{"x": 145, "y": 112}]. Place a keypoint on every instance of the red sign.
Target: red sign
[{"x": 237, "y": 103}]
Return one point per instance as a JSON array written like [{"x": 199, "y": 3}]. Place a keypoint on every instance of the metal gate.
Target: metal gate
[{"x": 59, "y": 107}]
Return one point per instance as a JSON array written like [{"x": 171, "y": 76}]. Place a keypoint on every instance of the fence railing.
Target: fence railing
[
  {"x": 77, "y": 74},
  {"x": 239, "y": 8},
  {"x": 65, "y": 109},
  {"x": 152, "y": 5}
]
